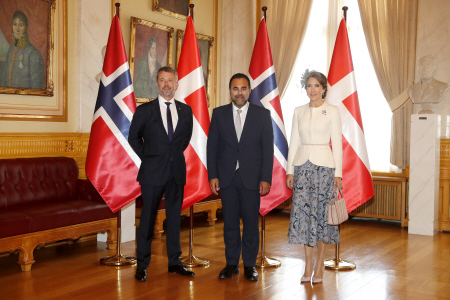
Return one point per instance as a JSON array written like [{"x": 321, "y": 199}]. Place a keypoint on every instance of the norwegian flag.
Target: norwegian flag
[
  {"x": 191, "y": 90},
  {"x": 265, "y": 93},
  {"x": 111, "y": 164},
  {"x": 356, "y": 174}
]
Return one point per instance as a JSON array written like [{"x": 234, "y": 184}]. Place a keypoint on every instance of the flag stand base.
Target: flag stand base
[
  {"x": 338, "y": 264},
  {"x": 191, "y": 261},
  {"x": 118, "y": 259},
  {"x": 263, "y": 261}
]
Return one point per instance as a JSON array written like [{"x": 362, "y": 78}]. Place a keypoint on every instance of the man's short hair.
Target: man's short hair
[
  {"x": 18, "y": 14},
  {"x": 168, "y": 70},
  {"x": 238, "y": 76},
  {"x": 150, "y": 43}
]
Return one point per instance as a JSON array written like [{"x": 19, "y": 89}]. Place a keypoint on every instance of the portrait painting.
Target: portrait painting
[
  {"x": 151, "y": 47},
  {"x": 26, "y": 46},
  {"x": 205, "y": 47},
  {"x": 175, "y": 8}
]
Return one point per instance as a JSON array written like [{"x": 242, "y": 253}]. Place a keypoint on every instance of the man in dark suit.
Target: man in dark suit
[
  {"x": 159, "y": 133},
  {"x": 240, "y": 161}
]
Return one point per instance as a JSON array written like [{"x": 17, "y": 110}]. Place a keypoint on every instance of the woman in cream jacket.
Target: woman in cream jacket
[{"x": 314, "y": 171}]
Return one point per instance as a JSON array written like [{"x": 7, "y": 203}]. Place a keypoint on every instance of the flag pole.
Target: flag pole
[
  {"x": 192, "y": 261},
  {"x": 118, "y": 259},
  {"x": 337, "y": 263},
  {"x": 263, "y": 261}
]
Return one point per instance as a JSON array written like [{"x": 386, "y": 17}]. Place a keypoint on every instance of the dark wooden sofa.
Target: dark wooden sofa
[{"x": 43, "y": 201}]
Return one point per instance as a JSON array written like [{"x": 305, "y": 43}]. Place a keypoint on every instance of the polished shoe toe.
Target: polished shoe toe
[
  {"x": 228, "y": 272},
  {"x": 181, "y": 269},
  {"x": 251, "y": 274},
  {"x": 141, "y": 275}
]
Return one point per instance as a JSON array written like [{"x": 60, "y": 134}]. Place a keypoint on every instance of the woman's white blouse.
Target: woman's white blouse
[{"x": 312, "y": 130}]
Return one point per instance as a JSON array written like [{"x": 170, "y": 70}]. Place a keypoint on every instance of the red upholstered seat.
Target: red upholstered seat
[{"x": 44, "y": 193}]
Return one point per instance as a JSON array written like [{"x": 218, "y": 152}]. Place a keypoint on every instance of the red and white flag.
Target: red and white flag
[
  {"x": 111, "y": 164},
  {"x": 191, "y": 90},
  {"x": 356, "y": 174},
  {"x": 265, "y": 93}
]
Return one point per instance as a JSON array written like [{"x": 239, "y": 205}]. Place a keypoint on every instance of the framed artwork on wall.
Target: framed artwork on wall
[
  {"x": 26, "y": 47},
  {"x": 205, "y": 46},
  {"x": 33, "y": 48},
  {"x": 175, "y": 8},
  {"x": 151, "y": 47}
]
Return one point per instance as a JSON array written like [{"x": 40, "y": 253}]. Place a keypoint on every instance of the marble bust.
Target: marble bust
[{"x": 428, "y": 90}]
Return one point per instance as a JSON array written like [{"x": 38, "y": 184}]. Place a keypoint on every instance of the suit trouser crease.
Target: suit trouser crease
[
  {"x": 238, "y": 201},
  {"x": 151, "y": 196}
]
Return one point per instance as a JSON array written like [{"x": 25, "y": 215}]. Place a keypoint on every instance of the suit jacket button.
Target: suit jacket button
[{"x": 238, "y": 150}]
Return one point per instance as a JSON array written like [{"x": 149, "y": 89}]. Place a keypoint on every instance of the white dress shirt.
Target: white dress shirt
[
  {"x": 312, "y": 130},
  {"x": 244, "y": 110},
  {"x": 173, "y": 111}
]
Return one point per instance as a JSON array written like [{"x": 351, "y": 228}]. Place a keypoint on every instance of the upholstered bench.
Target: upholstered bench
[{"x": 42, "y": 201}]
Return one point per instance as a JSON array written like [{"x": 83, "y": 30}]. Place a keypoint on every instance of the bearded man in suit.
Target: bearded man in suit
[
  {"x": 240, "y": 161},
  {"x": 159, "y": 133}
]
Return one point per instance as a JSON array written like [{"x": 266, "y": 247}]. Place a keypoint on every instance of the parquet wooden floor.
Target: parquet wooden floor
[{"x": 390, "y": 265}]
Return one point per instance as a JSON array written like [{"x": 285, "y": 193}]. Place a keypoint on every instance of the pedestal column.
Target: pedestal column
[{"x": 424, "y": 175}]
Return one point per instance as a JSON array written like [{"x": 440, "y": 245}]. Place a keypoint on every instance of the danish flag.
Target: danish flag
[
  {"x": 356, "y": 175},
  {"x": 265, "y": 93},
  {"x": 191, "y": 90},
  {"x": 111, "y": 164}
]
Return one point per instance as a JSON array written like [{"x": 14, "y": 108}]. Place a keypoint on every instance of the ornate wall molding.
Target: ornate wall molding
[{"x": 15, "y": 145}]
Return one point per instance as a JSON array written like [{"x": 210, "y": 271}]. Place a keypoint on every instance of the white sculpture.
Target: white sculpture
[{"x": 428, "y": 90}]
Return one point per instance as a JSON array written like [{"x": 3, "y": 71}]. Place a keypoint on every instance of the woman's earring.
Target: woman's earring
[{"x": 323, "y": 95}]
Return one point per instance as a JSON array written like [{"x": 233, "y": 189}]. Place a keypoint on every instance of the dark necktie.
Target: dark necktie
[{"x": 169, "y": 121}]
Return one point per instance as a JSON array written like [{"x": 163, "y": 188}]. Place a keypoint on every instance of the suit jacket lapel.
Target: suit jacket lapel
[
  {"x": 229, "y": 121},
  {"x": 180, "y": 112},
  {"x": 248, "y": 121},
  {"x": 157, "y": 110}
]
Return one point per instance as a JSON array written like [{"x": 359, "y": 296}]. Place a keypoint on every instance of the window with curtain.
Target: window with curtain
[{"x": 314, "y": 55}]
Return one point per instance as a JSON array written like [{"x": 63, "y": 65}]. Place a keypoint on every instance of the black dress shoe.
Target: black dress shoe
[
  {"x": 180, "y": 269},
  {"x": 228, "y": 272},
  {"x": 141, "y": 274},
  {"x": 251, "y": 274}
]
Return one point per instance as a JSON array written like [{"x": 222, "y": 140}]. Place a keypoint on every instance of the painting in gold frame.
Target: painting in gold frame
[
  {"x": 26, "y": 28},
  {"x": 205, "y": 46},
  {"x": 174, "y": 8},
  {"x": 151, "y": 47},
  {"x": 51, "y": 103}
]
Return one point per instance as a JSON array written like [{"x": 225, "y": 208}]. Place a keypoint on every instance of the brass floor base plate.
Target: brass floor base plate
[
  {"x": 265, "y": 262},
  {"x": 118, "y": 260},
  {"x": 192, "y": 261},
  {"x": 339, "y": 265}
]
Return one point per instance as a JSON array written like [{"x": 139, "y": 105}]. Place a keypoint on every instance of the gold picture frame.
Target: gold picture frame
[
  {"x": 205, "y": 48},
  {"x": 53, "y": 105},
  {"x": 162, "y": 7},
  {"x": 145, "y": 36}
]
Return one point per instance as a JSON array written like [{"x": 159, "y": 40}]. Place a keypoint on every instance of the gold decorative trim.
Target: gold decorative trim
[
  {"x": 133, "y": 23},
  {"x": 158, "y": 9},
  {"x": 210, "y": 40},
  {"x": 16, "y": 145}
]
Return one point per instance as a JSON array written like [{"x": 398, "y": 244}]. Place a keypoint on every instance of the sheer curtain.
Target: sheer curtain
[
  {"x": 390, "y": 30},
  {"x": 287, "y": 21},
  {"x": 315, "y": 54}
]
